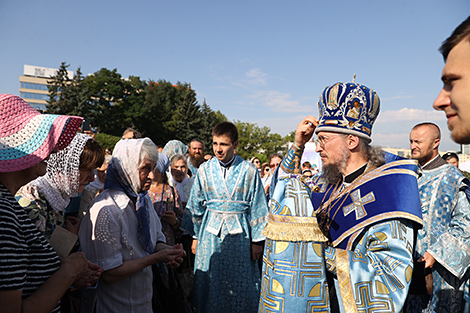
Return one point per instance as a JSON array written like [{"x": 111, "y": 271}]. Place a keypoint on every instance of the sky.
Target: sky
[{"x": 263, "y": 62}]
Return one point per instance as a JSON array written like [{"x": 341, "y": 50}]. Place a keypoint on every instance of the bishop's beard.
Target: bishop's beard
[{"x": 333, "y": 172}]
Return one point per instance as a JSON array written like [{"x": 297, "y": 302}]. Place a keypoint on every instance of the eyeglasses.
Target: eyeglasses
[
  {"x": 322, "y": 141},
  {"x": 273, "y": 165},
  {"x": 266, "y": 169},
  {"x": 256, "y": 161}
]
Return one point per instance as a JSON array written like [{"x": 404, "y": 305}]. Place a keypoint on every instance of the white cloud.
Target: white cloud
[
  {"x": 394, "y": 140},
  {"x": 256, "y": 77},
  {"x": 407, "y": 114},
  {"x": 278, "y": 101}
]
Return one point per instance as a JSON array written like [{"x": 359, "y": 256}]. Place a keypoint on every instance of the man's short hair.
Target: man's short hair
[
  {"x": 196, "y": 140},
  {"x": 450, "y": 155},
  {"x": 429, "y": 124},
  {"x": 462, "y": 32},
  {"x": 226, "y": 128}
]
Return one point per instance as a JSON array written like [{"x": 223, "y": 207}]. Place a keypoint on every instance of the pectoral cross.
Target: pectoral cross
[{"x": 358, "y": 204}]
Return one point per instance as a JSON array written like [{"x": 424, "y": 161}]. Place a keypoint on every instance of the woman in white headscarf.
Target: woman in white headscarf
[
  {"x": 179, "y": 179},
  {"x": 166, "y": 200},
  {"x": 122, "y": 232}
]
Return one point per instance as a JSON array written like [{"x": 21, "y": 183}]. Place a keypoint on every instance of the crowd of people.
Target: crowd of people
[{"x": 172, "y": 229}]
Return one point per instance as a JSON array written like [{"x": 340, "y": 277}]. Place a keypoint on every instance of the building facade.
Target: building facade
[{"x": 33, "y": 85}]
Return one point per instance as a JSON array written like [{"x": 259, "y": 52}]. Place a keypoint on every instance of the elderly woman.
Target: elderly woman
[
  {"x": 122, "y": 232},
  {"x": 68, "y": 172},
  {"x": 179, "y": 177},
  {"x": 166, "y": 200},
  {"x": 32, "y": 278}
]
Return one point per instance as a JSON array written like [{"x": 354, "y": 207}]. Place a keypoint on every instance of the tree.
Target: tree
[
  {"x": 257, "y": 141},
  {"x": 155, "y": 115},
  {"x": 68, "y": 96},
  {"x": 113, "y": 100},
  {"x": 209, "y": 119},
  {"x": 187, "y": 118},
  {"x": 58, "y": 89}
]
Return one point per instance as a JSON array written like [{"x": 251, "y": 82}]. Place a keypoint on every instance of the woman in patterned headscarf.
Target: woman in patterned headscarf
[
  {"x": 122, "y": 232},
  {"x": 68, "y": 172},
  {"x": 32, "y": 277}
]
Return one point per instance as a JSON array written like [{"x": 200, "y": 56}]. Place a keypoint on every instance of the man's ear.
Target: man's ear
[
  {"x": 235, "y": 144},
  {"x": 352, "y": 142}
]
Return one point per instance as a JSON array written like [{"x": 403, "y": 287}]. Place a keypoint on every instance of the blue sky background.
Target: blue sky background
[{"x": 263, "y": 62}]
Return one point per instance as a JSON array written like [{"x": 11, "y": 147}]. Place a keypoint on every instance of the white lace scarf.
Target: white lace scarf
[{"x": 61, "y": 181}]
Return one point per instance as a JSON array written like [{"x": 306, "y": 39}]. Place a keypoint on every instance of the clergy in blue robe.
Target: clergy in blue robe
[
  {"x": 367, "y": 210},
  {"x": 445, "y": 237},
  {"x": 229, "y": 210}
]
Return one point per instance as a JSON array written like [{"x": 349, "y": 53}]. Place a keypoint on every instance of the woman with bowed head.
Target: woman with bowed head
[
  {"x": 94, "y": 188},
  {"x": 166, "y": 200},
  {"x": 32, "y": 277},
  {"x": 68, "y": 172},
  {"x": 122, "y": 232}
]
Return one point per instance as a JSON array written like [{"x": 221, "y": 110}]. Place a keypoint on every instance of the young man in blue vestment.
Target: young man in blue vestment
[
  {"x": 229, "y": 210},
  {"x": 343, "y": 241},
  {"x": 443, "y": 246}
]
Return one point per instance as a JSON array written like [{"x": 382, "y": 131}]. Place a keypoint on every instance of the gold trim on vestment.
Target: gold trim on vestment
[
  {"x": 293, "y": 228},
  {"x": 344, "y": 281},
  {"x": 379, "y": 217}
]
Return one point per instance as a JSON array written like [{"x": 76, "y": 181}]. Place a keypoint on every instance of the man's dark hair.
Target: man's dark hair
[
  {"x": 196, "y": 140},
  {"x": 462, "y": 32},
  {"x": 226, "y": 128},
  {"x": 450, "y": 155}
]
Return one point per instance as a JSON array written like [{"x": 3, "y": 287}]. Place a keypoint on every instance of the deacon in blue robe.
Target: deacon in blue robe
[
  {"x": 446, "y": 236},
  {"x": 229, "y": 210}
]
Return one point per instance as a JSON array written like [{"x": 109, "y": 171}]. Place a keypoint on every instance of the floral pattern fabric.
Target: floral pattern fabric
[
  {"x": 168, "y": 201},
  {"x": 39, "y": 211}
]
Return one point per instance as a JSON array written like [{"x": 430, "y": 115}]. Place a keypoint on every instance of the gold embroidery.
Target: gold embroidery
[
  {"x": 280, "y": 246},
  {"x": 344, "y": 281},
  {"x": 408, "y": 273},
  {"x": 293, "y": 228},
  {"x": 381, "y": 288},
  {"x": 316, "y": 290},
  {"x": 277, "y": 287}
]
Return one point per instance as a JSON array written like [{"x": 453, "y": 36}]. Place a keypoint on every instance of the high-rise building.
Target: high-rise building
[{"x": 33, "y": 85}]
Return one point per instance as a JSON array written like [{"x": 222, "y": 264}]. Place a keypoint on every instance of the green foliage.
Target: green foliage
[
  {"x": 107, "y": 141},
  {"x": 257, "y": 141},
  {"x": 67, "y": 96},
  {"x": 159, "y": 110}
]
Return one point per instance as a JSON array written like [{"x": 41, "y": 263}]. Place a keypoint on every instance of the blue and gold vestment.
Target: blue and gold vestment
[
  {"x": 229, "y": 214},
  {"x": 446, "y": 236},
  {"x": 369, "y": 255}
]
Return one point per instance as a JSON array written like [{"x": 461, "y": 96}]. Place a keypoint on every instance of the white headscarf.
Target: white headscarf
[{"x": 123, "y": 175}]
